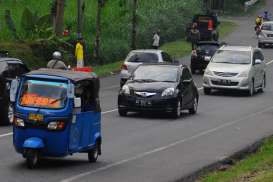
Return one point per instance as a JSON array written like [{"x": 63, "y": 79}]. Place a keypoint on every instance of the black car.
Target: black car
[
  {"x": 200, "y": 57},
  {"x": 10, "y": 68},
  {"x": 207, "y": 32},
  {"x": 162, "y": 87}
]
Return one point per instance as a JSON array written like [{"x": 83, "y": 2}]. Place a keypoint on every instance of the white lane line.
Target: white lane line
[
  {"x": 160, "y": 149},
  {"x": 6, "y": 134},
  {"x": 269, "y": 62},
  {"x": 9, "y": 134}
]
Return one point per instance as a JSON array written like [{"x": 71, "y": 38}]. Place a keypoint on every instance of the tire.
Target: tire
[
  {"x": 193, "y": 70},
  {"x": 260, "y": 45},
  {"x": 93, "y": 154},
  {"x": 263, "y": 84},
  {"x": 251, "y": 89},
  {"x": 177, "y": 110},
  {"x": 32, "y": 158},
  {"x": 193, "y": 110},
  {"x": 207, "y": 91},
  {"x": 122, "y": 112}
]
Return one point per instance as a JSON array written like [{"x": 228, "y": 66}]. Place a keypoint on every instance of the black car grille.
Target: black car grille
[
  {"x": 225, "y": 74},
  {"x": 224, "y": 83}
]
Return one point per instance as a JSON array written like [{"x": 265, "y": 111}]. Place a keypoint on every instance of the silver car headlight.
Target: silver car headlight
[
  {"x": 261, "y": 36},
  {"x": 125, "y": 90},
  {"x": 208, "y": 72},
  {"x": 169, "y": 92},
  {"x": 244, "y": 74}
]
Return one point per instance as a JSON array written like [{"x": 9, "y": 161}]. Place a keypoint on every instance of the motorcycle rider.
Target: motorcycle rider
[{"x": 56, "y": 62}]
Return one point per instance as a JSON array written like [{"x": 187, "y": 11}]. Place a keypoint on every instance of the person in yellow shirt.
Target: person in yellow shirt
[{"x": 79, "y": 53}]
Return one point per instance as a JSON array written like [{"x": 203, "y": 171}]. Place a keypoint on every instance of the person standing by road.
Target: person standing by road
[
  {"x": 156, "y": 40},
  {"x": 79, "y": 53},
  {"x": 56, "y": 62},
  {"x": 194, "y": 36}
]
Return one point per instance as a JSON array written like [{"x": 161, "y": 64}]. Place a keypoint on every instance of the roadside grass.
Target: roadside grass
[
  {"x": 256, "y": 167},
  {"x": 177, "y": 49}
]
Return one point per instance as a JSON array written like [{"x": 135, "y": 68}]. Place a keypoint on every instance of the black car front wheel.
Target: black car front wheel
[
  {"x": 176, "y": 113},
  {"x": 193, "y": 110},
  {"x": 122, "y": 112}
]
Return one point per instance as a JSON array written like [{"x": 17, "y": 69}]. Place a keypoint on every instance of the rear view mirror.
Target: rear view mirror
[
  {"x": 187, "y": 81},
  {"x": 258, "y": 61},
  {"x": 77, "y": 102}
]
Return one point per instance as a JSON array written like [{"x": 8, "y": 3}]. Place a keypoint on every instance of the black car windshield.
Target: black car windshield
[
  {"x": 156, "y": 74},
  {"x": 43, "y": 94},
  {"x": 143, "y": 57},
  {"x": 232, "y": 57},
  {"x": 210, "y": 47}
]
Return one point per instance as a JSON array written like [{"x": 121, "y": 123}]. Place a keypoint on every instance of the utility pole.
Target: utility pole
[{"x": 134, "y": 24}]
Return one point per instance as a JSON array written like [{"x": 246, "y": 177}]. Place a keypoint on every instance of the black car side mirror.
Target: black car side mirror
[{"x": 187, "y": 81}]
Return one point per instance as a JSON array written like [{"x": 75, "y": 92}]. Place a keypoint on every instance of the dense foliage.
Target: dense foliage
[{"x": 168, "y": 16}]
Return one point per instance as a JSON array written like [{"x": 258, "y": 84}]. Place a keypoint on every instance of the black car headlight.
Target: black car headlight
[
  {"x": 169, "y": 92},
  {"x": 125, "y": 90}
]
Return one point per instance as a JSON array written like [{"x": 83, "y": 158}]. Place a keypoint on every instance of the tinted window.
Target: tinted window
[
  {"x": 3, "y": 66},
  {"x": 232, "y": 57},
  {"x": 156, "y": 73},
  {"x": 143, "y": 57},
  {"x": 186, "y": 75},
  {"x": 166, "y": 57}
]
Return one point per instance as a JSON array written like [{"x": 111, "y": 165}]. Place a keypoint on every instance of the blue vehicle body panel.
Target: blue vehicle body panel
[
  {"x": 79, "y": 135},
  {"x": 34, "y": 143}
]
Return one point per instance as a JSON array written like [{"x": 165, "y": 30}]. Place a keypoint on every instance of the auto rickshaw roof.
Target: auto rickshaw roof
[{"x": 74, "y": 76}]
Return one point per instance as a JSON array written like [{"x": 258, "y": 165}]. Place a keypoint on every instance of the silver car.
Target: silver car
[
  {"x": 266, "y": 35},
  {"x": 236, "y": 67},
  {"x": 137, "y": 57}
]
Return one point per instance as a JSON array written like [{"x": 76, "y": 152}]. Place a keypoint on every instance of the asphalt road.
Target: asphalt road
[{"x": 155, "y": 148}]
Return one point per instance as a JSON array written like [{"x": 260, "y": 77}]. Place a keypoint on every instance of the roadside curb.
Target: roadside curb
[{"x": 231, "y": 160}]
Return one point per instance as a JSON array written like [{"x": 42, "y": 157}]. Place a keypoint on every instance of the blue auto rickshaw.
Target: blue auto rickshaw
[{"x": 57, "y": 113}]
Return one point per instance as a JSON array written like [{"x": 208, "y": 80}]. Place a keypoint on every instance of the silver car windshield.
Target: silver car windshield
[
  {"x": 156, "y": 74},
  {"x": 232, "y": 57}
]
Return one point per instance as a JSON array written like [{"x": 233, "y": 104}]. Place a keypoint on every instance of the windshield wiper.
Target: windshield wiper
[
  {"x": 146, "y": 80},
  {"x": 58, "y": 99}
]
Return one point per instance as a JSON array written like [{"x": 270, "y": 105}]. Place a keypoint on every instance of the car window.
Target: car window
[
  {"x": 3, "y": 66},
  {"x": 85, "y": 91},
  {"x": 186, "y": 75},
  {"x": 143, "y": 57},
  {"x": 232, "y": 57},
  {"x": 207, "y": 47},
  {"x": 166, "y": 57},
  {"x": 156, "y": 73}
]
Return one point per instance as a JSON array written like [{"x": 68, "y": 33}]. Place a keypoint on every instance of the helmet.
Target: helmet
[{"x": 57, "y": 55}]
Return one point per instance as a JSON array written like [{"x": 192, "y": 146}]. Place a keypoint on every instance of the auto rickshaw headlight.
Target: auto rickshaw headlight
[
  {"x": 56, "y": 125},
  {"x": 19, "y": 122}
]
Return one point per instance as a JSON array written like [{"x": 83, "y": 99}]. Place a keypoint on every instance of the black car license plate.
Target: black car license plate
[{"x": 141, "y": 102}]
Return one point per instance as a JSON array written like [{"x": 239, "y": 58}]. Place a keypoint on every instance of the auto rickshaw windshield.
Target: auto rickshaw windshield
[{"x": 43, "y": 94}]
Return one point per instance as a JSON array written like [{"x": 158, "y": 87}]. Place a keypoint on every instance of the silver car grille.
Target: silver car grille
[
  {"x": 145, "y": 94},
  {"x": 225, "y": 74}
]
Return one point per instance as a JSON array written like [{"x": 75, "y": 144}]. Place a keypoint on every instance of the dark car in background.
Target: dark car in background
[
  {"x": 200, "y": 57},
  {"x": 207, "y": 25},
  {"x": 10, "y": 68},
  {"x": 162, "y": 87}
]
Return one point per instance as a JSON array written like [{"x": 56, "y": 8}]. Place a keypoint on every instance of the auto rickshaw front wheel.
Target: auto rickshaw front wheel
[
  {"x": 32, "y": 158},
  {"x": 94, "y": 153}
]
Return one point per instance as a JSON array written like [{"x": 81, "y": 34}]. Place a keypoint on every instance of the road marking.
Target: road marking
[
  {"x": 269, "y": 62},
  {"x": 160, "y": 149},
  {"x": 7, "y": 134},
  {"x": 105, "y": 112}
]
